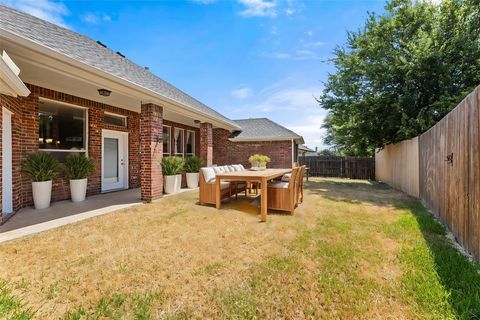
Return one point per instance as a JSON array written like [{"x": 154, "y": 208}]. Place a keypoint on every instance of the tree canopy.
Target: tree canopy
[{"x": 401, "y": 73}]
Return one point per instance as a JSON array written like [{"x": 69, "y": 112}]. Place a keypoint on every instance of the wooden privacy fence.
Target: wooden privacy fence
[
  {"x": 340, "y": 167},
  {"x": 449, "y": 171}
]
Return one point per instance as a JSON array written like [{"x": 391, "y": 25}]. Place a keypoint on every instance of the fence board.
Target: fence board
[
  {"x": 451, "y": 189},
  {"x": 340, "y": 167}
]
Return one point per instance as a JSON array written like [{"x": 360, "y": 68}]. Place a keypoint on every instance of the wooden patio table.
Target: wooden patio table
[{"x": 262, "y": 177}]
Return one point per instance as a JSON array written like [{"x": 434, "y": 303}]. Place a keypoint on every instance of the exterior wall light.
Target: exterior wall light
[{"x": 104, "y": 92}]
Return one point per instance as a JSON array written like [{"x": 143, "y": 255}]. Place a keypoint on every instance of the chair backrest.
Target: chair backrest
[
  {"x": 295, "y": 164},
  {"x": 299, "y": 183}
]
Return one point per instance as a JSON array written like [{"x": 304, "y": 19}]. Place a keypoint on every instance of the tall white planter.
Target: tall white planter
[
  {"x": 42, "y": 192},
  {"x": 78, "y": 189},
  {"x": 172, "y": 184},
  {"x": 192, "y": 179}
]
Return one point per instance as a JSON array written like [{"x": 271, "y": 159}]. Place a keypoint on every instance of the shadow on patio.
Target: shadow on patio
[{"x": 71, "y": 212}]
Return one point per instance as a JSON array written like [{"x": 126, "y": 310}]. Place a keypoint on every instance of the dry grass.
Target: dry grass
[{"x": 341, "y": 256}]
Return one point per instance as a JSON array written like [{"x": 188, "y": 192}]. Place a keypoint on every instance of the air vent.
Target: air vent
[
  {"x": 120, "y": 54},
  {"x": 147, "y": 68},
  {"x": 101, "y": 43}
]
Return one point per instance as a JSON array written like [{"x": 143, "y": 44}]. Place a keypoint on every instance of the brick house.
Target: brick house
[{"x": 61, "y": 92}]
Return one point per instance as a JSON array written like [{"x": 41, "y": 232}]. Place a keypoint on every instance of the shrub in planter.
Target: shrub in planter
[
  {"x": 192, "y": 169},
  {"x": 41, "y": 167},
  {"x": 259, "y": 161},
  {"x": 172, "y": 168},
  {"x": 77, "y": 169}
]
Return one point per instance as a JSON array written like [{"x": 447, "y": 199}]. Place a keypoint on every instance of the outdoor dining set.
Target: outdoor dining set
[{"x": 280, "y": 189}]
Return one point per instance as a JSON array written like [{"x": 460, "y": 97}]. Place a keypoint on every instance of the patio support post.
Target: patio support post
[
  {"x": 151, "y": 148},
  {"x": 206, "y": 143}
]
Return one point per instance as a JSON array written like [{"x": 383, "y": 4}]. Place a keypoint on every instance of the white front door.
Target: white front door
[
  {"x": 114, "y": 160},
  {"x": 7, "y": 192}
]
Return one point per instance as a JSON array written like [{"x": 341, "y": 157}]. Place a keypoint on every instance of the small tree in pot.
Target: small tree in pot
[
  {"x": 192, "y": 169},
  {"x": 42, "y": 167},
  {"x": 77, "y": 169},
  {"x": 259, "y": 161},
  {"x": 172, "y": 168}
]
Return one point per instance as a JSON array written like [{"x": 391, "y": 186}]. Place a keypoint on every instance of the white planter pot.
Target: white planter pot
[
  {"x": 78, "y": 189},
  {"x": 172, "y": 184},
  {"x": 179, "y": 182},
  {"x": 192, "y": 179},
  {"x": 42, "y": 192}
]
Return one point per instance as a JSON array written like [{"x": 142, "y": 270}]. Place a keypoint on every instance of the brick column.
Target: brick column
[
  {"x": 206, "y": 143},
  {"x": 151, "y": 148}
]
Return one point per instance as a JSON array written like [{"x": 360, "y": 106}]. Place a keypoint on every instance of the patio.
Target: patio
[{"x": 354, "y": 249}]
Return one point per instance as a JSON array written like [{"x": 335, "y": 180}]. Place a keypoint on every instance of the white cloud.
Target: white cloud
[
  {"x": 311, "y": 130},
  {"x": 95, "y": 18},
  {"x": 43, "y": 9},
  {"x": 313, "y": 44},
  {"x": 258, "y": 8},
  {"x": 309, "y": 33},
  {"x": 295, "y": 55},
  {"x": 290, "y": 11},
  {"x": 242, "y": 93},
  {"x": 274, "y": 30}
]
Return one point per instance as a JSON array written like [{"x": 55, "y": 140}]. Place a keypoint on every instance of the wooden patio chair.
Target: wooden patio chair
[
  {"x": 299, "y": 193},
  {"x": 207, "y": 188},
  {"x": 282, "y": 195}
]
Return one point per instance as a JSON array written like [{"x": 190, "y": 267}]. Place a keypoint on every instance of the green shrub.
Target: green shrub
[
  {"x": 172, "y": 165},
  {"x": 259, "y": 158},
  {"x": 193, "y": 164},
  {"x": 77, "y": 166},
  {"x": 40, "y": 166}
]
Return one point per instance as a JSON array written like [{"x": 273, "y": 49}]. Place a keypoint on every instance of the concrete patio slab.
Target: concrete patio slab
[{"x": 29, "y": 221}]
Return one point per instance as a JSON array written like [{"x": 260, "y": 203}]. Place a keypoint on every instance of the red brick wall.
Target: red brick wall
[
  {"x": 206, "y": 143},
  {"x": 151, "y": 135},
  {"x": 228, "y": 152},
  {"x": 25, "y": 141}
]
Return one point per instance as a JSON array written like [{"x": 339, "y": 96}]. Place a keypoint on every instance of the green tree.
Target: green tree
[{"x": 401, "y": 73}]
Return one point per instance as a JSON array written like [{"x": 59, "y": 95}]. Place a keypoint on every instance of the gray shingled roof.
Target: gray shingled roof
[
  {"x": 259, "y": 129},
  {"x": 89, "y": 52}
]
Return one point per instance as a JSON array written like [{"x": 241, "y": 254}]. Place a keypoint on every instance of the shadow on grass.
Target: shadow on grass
[
  {"x": 426, "y": 266},
  {"x": 459, "y": 277}
]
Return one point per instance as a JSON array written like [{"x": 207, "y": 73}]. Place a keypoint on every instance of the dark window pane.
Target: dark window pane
[
  {"x": 190, "y": 142},
  {"x": 115, "y": 120},
  {"x": 61, "y": 156},
  {"x": 61, "y": 127},
  {"x": 166, "y": 140}
]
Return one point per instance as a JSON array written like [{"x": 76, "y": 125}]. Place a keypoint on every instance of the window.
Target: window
[
  {"x": 190, "y": 143},
  {"x": 166, "y": 140},
  {"x": 62, "y": 129},
  {"x": 115, "y": 120},
  {"x": 178, "y": 142}
]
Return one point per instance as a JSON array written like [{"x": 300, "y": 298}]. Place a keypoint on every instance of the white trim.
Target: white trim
[
  {"x": 10, "y": 83},
  {"x": 67, "y": 104},
  {"x": 7, "y": 166},
  {"x": 125, "y": 174},
  {"x": 118, "y": 84}
]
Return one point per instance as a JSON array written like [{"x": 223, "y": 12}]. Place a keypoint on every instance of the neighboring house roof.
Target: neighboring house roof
[
  {"x": 304, "y": 148},
  {"x": 263, "y": 129},
  {"x": 93, "y": 54}
]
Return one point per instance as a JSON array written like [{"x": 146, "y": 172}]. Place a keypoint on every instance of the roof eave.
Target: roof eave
[
  {"x": 145, "y": 93},
  {"x": 12, "y": 84}
]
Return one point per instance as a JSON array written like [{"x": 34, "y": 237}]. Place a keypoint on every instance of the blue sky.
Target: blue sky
[{"x": 245, "y": 58}]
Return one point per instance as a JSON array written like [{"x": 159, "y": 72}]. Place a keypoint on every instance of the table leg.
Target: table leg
[
  {"x": 218, "y": 200},
  {"x": 263, "y": 207}
]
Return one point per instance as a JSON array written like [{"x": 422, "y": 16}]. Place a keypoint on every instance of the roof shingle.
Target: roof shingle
[
  {"x": 258, "y": 129},
  {"x": 91, "y": 53}
]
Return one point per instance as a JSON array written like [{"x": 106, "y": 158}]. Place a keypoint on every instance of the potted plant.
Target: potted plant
[
  {"x": 192, "y": 169},
  {"x": 259, "y": 161},
  {"x": 77, "y": 169},
  {"x": 42, "y": 167},
  {"x": 172, "y": 168}
]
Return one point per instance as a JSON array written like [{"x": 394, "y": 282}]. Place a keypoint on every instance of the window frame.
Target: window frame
[
  {"x": 169, "y": 153},
  {"x": 193, "y": 143},
  {"x": 85, "y": 126},
  {"x": 178, "y": 154},
  {"x": 125, "y": 118}
]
